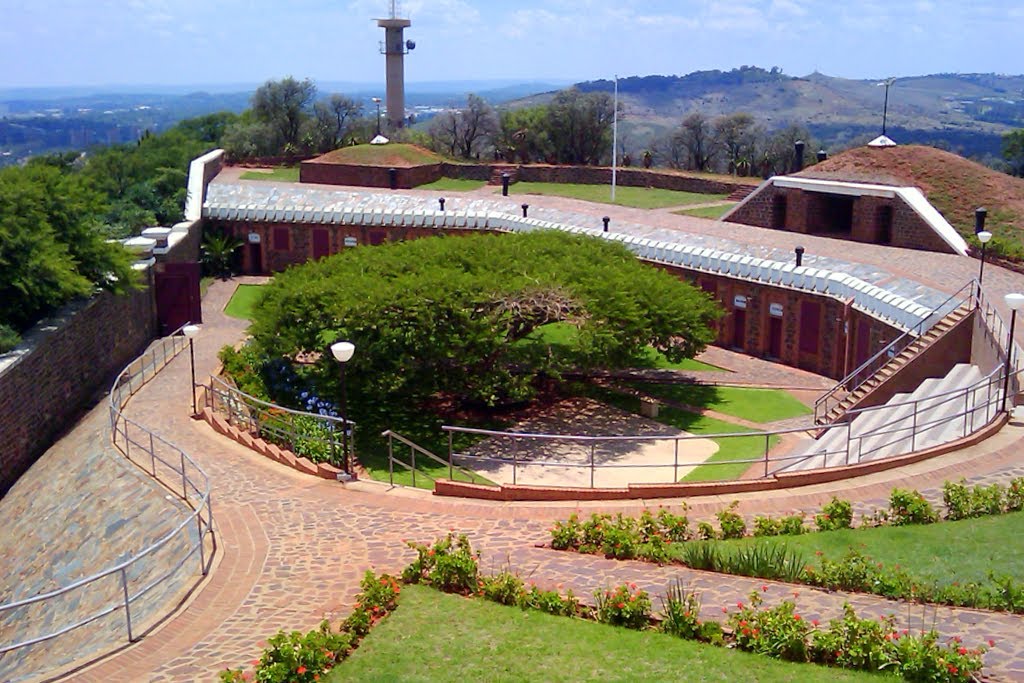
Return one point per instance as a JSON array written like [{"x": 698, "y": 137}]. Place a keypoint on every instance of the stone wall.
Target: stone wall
[
  {"x": 815, "y": 333},
  {"x": 61, "y": 367}
]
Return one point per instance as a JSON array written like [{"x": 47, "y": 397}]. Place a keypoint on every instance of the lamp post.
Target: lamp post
[
  {"x": 1014, "y": 302},
  {"x": 342, "y": 352},
  {"x": 376, "y": 100},
  {"x": 191, "y": 331},
  {"x": 984, "y": 236},
  {"x": 885, "y": 107}
]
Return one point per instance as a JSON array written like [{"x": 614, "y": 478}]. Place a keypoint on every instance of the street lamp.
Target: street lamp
[
  {"x": 1014, "y": 302},
  {"x": 342, "y": 352},
  {"x": 376, "y": 100},
  {"x": 191, "y": 331},
  {"x": 885, "y": 108},
  {"x": 984, "y": 236}
]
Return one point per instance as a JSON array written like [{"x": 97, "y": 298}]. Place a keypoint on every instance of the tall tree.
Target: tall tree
[
  {"x": 465, "y": 132},
  {"x": 580, "y": 126},
  {"x": 334, "y": 118},
  {"x": 285, "y": 105},
  {"x": 696, "y": 135},
  {"x": 523, "y": 134},
  {"x": 1013, "y": 151},
  {"x": 733, "y": 133}
]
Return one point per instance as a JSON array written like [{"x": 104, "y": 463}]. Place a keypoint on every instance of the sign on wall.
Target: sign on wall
[
  {"x": 254, "y": 238},
  {"x": 739, "y": 301},
  {"x": 775, "y": 310},
  {"x": 351, "y": 241}
]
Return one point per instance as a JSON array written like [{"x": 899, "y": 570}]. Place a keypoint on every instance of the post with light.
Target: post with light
[
  {"x": 1014, "y": 302},
  {"x": 376, "y": 100},
  {"x": 342, "y": 352},
  {"x": 190, "y": 331},
  {"x": 885, "y": 107},
  {"x": 984, "y": 236}
]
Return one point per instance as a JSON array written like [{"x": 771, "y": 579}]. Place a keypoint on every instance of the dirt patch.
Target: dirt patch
[{"x": 652, "y": 453}]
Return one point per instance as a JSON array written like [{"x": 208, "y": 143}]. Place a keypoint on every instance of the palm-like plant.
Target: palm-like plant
[{"x": 218, "y": 251}]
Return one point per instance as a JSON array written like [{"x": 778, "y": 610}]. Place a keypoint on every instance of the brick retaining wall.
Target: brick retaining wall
[{"x": 62, "y": 365}]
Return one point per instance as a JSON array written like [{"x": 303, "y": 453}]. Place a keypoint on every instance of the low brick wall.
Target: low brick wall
[
  {"x": 602, "y": 175},
  {"x": 367, "y": 176},
  {"x": 61, "y": 367}
]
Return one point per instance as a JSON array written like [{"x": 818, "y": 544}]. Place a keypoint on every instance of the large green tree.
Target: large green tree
[
  {"x": 51, "y": 246},
  {"x": 1013, "y": 151},
  {"x": 466, "y": 316}
]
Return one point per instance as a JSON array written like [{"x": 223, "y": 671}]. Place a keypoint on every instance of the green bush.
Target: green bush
[
  {"x": 504, "y": 588},
  {"x": 297, "y": 657},
  {"x": 792, "y": 525},
  {"x": 731, "y": 523},
  {"x": 680, "y": 612},
  {"x": 625, "y": 605},
  {"x": 910, "y": 507},
  {"x": 705, "y": 531},
  {"x": 567, "y": 535},
  {"x": 766, "y": 526},
  {"x": 676, "y": 528},
  {"x": 9, "y": 338},
  {"x": 552, "y": 602},
  {"x": 853, "y": 643},
  {"x": 836, "y": 514},
  {"x": 962, "y": 502},
  {"x": 778, "y": 632},
  {"x": 448, "y": 565}
]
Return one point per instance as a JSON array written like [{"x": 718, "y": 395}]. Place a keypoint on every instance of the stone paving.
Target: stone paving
[{"x": 291, "y": 548}]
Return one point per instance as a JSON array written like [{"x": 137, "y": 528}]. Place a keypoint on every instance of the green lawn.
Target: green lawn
[
  {"x": 243, "y": 301},
  {"x": 719, "y": 466},
  {"x": 453, "y": 185},
  {"x": 947, "y": 552},
  {"x": 638, "y": 197},
  {"x": 706, "y": 211},
  {"x": 433, "y": 636},
  {"x": 756, "y": 405},
  {"x": 288, "y": 174}
]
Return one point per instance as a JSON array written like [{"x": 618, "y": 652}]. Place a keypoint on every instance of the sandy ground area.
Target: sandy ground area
[{"x": 650, "y": 455}]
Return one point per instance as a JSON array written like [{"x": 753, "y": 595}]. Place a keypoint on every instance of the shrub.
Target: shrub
[
  {"x": 853, "y": 643},
  {"x": 922, "y": 658},
  {"x": 680, "y": 609},
  {"x": 732, "y": 524},
  {"x": 504, "y": 588},
  {"x": 568, "y": 534},
  {"x": 449, "y": 565},
  {"x": 626, "y": 606},
  {"x": 593, "y": 533},
  {"x": 621, "y": 538},
  {"x": 9, "y": 338},
  {"x": 1015, "y": 495},
  {"x": 676, "y": 528},
  {"x": 957, "y": 500},
  {"x": 910, "y": 507},
  {"x": 836, "y": 514},
  {"x": 766, "y": 526},
  {"x": 705, "y": 531},
  {"x": 551, "y": 602},
  {"x": 778, "y": 632},
  {"x": 655, "y": 550},
  {"x": 792, "y": 525},
  {"x": 296, "y": 657}
]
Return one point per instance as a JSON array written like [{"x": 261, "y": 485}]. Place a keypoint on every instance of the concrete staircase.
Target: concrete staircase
[
  {"x": 940, "y": 410},
  {"x": 890, "y": 368},
  {"x": 497, "y": 171},
  {"x": 741, "y": 193}
]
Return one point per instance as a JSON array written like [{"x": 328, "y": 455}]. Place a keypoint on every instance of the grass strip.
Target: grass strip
[
  {"x": 288, "y": 174},
  {"x": 636, "y": 197},
  {"x": 434, "y": 636},
  {"x": 244, "y": 301},
  {"x": 756, "y": 405}
]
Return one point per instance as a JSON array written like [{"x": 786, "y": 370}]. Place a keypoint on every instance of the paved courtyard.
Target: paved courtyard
[{"x": 292, "y": 548}]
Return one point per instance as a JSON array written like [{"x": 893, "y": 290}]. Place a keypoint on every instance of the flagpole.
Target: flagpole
[{"x": 615, "y": 135}]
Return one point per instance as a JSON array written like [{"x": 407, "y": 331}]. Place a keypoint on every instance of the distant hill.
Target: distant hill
[
  {"x": 969, "y": 112},
  {"x": 954, "y": 185}
]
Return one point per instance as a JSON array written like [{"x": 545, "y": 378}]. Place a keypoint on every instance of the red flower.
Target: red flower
[
  {"x": 991, "y": 643},
  {"x": 839, "y": 653},
  {"x": 724, "y": 610},
  {"x": 814, "y": 622},
  {"x": 796, "y": 617},
  {"x": 621, "y": 605},
  {"x": 740, "y": 605},
  {"x": 301, "y": 670},
  {"x": 962, "y": 650},
  {"x": 952, "y": 669},
  {"x": 764, "y": 588},
  {"x": 746, "y": 631}
]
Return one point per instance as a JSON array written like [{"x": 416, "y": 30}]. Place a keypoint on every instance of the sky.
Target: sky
[{"x": 173, "y": 42}]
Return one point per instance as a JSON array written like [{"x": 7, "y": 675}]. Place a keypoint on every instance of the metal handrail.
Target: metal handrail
[
  {"x": 916, "y": 430},
  {"x": 262, "y": 418},
  {"x": 134, "y": 379},
  {"x": 891, "y": 351},
  {"x": 416, "y": 448}
]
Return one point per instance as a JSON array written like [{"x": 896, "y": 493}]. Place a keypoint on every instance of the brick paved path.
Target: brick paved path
[{"x": 292, "y": 548}]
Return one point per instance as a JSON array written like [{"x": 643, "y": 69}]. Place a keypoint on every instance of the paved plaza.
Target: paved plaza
[{"x": 292, "y": 548}]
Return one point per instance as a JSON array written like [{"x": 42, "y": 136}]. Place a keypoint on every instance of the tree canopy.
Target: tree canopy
[{"x": 465, "y": 316}]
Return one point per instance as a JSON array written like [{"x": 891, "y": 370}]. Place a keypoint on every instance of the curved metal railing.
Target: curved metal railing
[{"x": 169, "y": 465}]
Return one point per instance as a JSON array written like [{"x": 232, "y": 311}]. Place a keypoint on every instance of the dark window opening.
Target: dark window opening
[
  {"x": 883, "y": 221},
  {"x": 810, "y": 326},
  {"x": 779, "y": 212}
]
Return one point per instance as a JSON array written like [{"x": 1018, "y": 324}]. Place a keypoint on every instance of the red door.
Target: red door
[
  {"x": 321, "y": 243},
  {"x": 177, "y": 295},
  {"x": 739, "y": 328}
]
